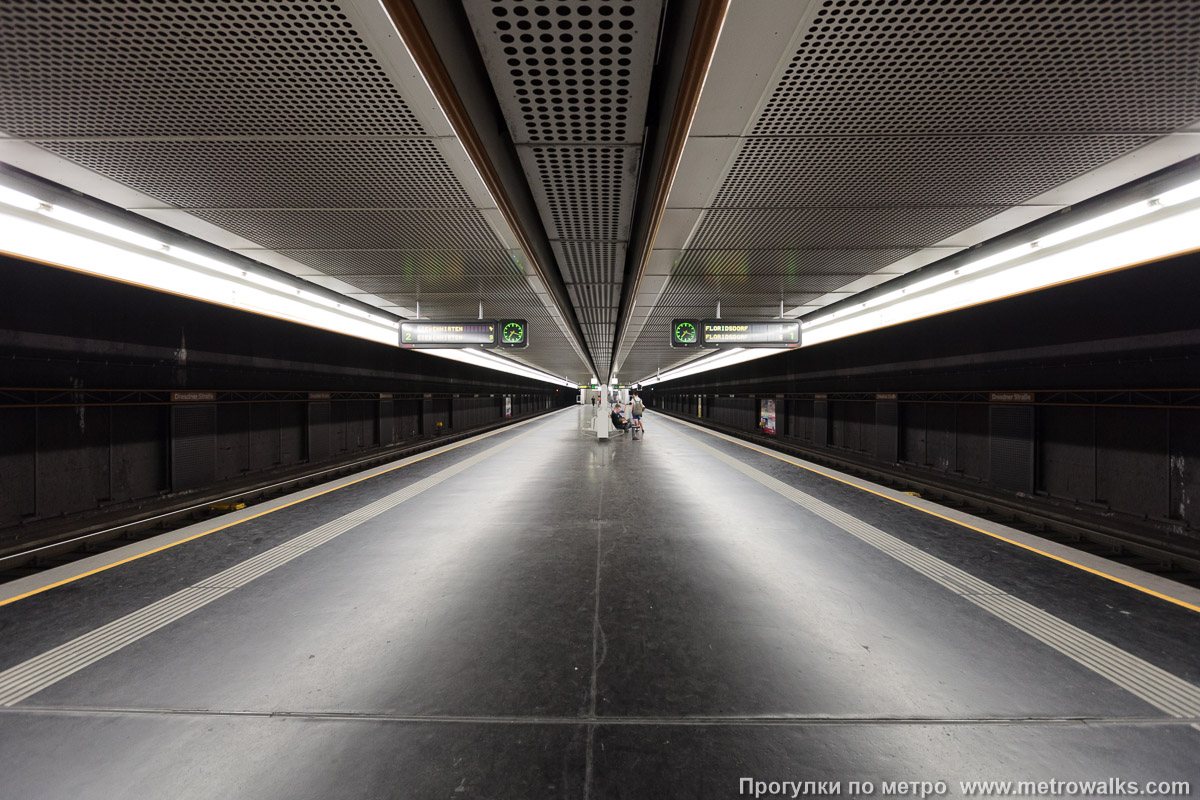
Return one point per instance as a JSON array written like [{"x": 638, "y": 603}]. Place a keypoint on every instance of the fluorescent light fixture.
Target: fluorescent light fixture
[
  {"x": 1189, "y": 191},
  {"x": 1161, "y": 227},
  {"x": 724, "y": 358},
  {"x": 75, "y": 219},
  {"x": 43, "y": 232},
  {"x": 482, "y": 358},
  {"x": 11, "y": 197}
]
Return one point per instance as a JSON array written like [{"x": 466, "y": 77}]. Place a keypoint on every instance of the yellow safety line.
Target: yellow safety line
[
  {"x": 1023, "y": 546},
  {"x": 74, "y": 578}
]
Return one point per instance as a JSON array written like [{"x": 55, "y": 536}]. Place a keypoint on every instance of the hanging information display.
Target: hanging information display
[
  {"x": 447, "y": 333},
  {"x": 750, "y": 333}
]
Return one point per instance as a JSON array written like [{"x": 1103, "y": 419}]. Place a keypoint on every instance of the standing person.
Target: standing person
[{"x": 636, "y": 407}]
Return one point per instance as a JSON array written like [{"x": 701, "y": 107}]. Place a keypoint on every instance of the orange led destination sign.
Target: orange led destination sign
[
  {"x": 447, "y": 333},
  {"x": 750, "y": 333}
]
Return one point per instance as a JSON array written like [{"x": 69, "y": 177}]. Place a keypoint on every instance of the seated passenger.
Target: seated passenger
[{"x": 618, "y": 421}]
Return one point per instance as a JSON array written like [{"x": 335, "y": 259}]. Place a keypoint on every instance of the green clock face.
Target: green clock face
[
  {"x": 513, "y": 332},
  {"x": 685, "y": 332}
]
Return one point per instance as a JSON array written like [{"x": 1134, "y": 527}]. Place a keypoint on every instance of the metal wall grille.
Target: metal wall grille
[
  {"x": 1011, "y": 450},
  {"x": 193, "y": 446}
]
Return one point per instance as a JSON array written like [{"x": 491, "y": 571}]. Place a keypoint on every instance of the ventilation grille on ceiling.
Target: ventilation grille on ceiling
[
  {"x": 132, "y": 68},
  {"x": 573, "y": 69},
  {"x": 406, "y": 172},
  {"x": 584, "y": 190},
  {"x": 881, "y": 66},
  {"x": 935, "y": 170},
  {"x": 590, "y": 262}
]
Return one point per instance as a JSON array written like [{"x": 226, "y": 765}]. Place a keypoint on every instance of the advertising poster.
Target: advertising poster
[
  {"x": 767, "y": 417},
  {"x": 507, "y": 407}
]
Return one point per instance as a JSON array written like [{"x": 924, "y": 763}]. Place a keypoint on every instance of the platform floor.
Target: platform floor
[{"x": 541, "y": 614}]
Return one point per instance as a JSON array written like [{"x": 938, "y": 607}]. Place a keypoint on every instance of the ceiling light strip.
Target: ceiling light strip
[
  {"x": 727, "y": 358},
  {"x": 38, "y": 231},
  {"x": 1163, "y": 226},
  {"x": 487, "y": 360}
]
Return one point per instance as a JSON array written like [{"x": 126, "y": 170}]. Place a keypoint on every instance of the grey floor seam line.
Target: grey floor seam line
[
  {"x": 26, "y": 679},
  {"x": 597, "y": 659},
  {"x": 1153, "y": 685},
  {"x": 713, "y": 721}
]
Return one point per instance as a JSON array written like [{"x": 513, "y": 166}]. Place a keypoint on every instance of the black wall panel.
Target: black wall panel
[
  {"x": 820, "y": 423},
  {"x": 801, "y": 423},
  {"x": 139, "y": 451},
  {"x": 887, "y": 432},
  {"x": 1131, "y": 467},
  {"x": 293, "y": 424},
  {"x": 72, "y": 458},
  {"x": 840, "y": 424},
  {"x": 18, "y": 434},
  {"x": 971, "y": 457},
  {"x": 1184, "y": 464},
  {"x": 912, "y": 438},
  {"x": 389, "y": 432},
  {"x": 233, "y": 440},
  {"x": 1067, "y": 452},
  {"x": 338, "y": 413},
  {"x": 265, "y": 436},
  {"x": 320, "y": 437},
  {"x": 408, "y": 418},
  {"x": 940, "y": 432},
  {"x": 1011, "y": 434}
]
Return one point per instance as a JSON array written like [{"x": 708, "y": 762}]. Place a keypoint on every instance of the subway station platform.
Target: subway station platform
[{"x": 536, "y": 613}]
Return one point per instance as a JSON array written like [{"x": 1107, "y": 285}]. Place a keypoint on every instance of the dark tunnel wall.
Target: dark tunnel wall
[
  {"x": 114, "y": 397},
  {"x": 1086, "y": 396}
]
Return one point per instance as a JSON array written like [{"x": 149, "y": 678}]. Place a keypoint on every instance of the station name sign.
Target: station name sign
[
  {"x": 735, "y": 333},
  {"x": 429, "y": 334}
]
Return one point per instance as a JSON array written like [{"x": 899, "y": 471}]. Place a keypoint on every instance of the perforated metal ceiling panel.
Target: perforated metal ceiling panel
[
  {"x": 990, "y": 66},
  {"x": 84, "y": 69},
  {"x": 573, "y": 79},
  {"x": 406, "y": 173},
  {"x": 304, "y": 128},
  {"x": 888, "y": 129}
]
